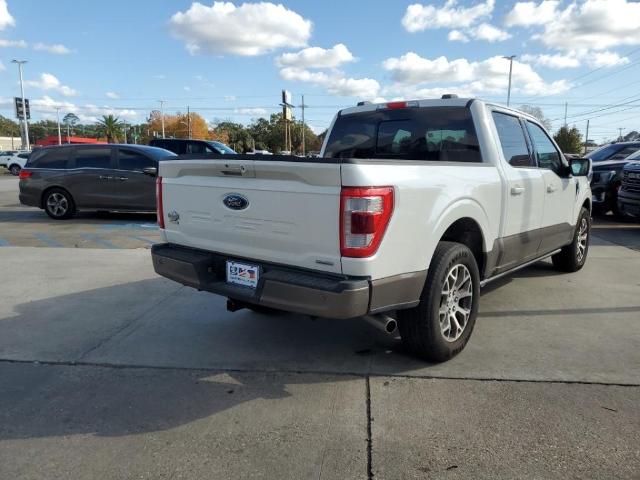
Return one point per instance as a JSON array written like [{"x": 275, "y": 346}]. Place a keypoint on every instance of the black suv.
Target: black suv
[
  {"x": 181, "y": 146},
  {"x": 629, "y": 195},
  {"x": 64, "y": 179},
  {"x": 608, "y": 162}
]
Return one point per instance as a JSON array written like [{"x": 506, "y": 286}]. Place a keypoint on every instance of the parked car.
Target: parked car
[
  {"x": 412, "y": 207},
  {"x": 629, "y": 195},
  {"x": 608, "y": 162},
  {"x": 14, "y": 160},
  {"x": 181, "y": 146},
  {"x": 64, "y": 179}
]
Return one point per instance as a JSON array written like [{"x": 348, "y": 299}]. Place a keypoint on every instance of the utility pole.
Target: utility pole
[
  {"x": 302, "y": 107},
  {"x": 620, "y": 136},
  {"x": 566, "y": 104},
  {"x": 24, "y": 105},
  {"x": 125, "y": 130},
  {"x": 586, "y": 139},
  {"x": 68, "y": 133},
  {"x": 510, "y": 58},
  {"x": 162, "y": 115},
  {"x": 59, "y": 133},
  {"x": 189, "y": 121}
]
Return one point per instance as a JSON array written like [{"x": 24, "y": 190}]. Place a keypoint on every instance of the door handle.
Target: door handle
[
  {"x": 105, "y": 177},
  {"x": 551, "y": 188},
  {"x": 517, "y": 190},
  {"x": 122, "y": 179}
]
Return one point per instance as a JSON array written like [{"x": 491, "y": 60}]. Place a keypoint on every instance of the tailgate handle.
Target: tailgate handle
[{"x": 234, "y": 170}]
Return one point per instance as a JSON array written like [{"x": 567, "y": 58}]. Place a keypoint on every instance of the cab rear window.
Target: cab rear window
[{"x": 434, "y": 133}]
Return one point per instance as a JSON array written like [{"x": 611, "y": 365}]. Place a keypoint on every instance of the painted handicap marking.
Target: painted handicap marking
[
  {"x": 4, "y": 243},
  {"x": 108, "y": 226},
  {"x": 48, "y": 240},
  {"x": 95, "y": 239},
  {"x": 142, "y": 239}
]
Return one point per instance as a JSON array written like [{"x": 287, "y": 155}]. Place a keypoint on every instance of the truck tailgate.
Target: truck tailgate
[{"x": 291, "y": 216}]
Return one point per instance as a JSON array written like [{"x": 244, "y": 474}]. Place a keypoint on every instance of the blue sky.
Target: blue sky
[{"x": 230, "y": 60}]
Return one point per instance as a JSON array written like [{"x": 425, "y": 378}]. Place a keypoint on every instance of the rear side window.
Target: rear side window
[
  {"x": 132, "y": 160},
  {"x": 93, "y": 158},
  {"x": 547, "y": 154},
  {"x": 433, "y": 133},
  {"x": 55, "y": 158},
  {"x": 512, "y": 140},
  {"x": 197, "y": 147}
]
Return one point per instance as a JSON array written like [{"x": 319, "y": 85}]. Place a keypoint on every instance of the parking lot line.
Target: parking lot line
[
  {"x": 47, "y": 240},
  {"x": 100, "y": 241},
  {"x": 142, "y": 239}
]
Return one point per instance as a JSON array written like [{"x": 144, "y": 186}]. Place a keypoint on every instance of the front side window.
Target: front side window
[
  {"x": 196, "y": 147},
  {"x": 512, "y": 140},
  {"x": 428, "y": 133},
  {"x": 93, "y": 158},
  {"x": 546, "y": 152},
  {"x": 134, "y": 161}
]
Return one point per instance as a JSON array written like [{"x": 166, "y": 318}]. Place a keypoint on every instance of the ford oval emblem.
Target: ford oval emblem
[{"x": 235, "y": 201}]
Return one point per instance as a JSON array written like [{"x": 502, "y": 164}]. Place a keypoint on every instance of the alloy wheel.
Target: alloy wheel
[
  {"x": 455, "y": 302},
  {"x": 57, "y": 204},
  {"x": 583, "y": 234}
]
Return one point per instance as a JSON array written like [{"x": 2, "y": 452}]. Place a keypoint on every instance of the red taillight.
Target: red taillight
[
  {"x": 364, "y": 215},
  {"x": 394, "y": 105},
  {"x": 25, "y": 174},
  {"x": 160, "y": 209}
]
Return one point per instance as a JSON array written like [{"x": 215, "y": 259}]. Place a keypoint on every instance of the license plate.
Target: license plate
[{"x": 242, "y": 274}]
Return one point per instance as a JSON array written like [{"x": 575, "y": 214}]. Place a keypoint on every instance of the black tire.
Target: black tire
[
  {"x": 14, "y": 169},
  {"x": 423, "y": 333},
  {"x": 573, "y": 257},
  {"x": 58, "y": 204}
]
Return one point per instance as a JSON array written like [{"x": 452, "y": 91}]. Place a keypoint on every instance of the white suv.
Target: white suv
[{"x": 14, "y": 160}]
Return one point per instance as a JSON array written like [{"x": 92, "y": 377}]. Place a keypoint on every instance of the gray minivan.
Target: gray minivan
[{"x": 64, "y": 179}]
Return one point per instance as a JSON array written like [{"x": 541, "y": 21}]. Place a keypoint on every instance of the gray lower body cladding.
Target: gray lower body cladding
[{"x": 294, "y": 290}]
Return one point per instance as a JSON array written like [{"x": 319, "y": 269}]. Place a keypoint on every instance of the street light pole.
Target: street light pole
[
  {"x": 162, "y": 115},
  {"x": 510, "y": 58},
  {"x": 59, "y": 133},
  {"x": 24, "y": 106}
]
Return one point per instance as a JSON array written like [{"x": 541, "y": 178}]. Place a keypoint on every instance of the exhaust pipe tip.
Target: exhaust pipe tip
[{"x": 382, "y": 322}]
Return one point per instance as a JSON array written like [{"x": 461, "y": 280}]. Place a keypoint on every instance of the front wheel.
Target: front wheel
[
  {"x": 573, "y": 257},
  {"x": 440, "y": 326},
  {"x": 15, "y": 170}
]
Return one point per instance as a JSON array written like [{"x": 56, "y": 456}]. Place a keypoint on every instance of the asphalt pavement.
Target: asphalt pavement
[{"x": 109, "y": 371}]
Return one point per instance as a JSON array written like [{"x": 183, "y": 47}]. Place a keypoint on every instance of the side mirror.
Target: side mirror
[
  {"x": 151, "y": 171},
  {"x": 580, "y": 167}
]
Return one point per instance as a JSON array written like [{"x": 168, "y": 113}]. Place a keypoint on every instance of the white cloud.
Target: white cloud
[
  {"x": 576, "y": 58},
  {"x": 50, "y": 82},
  {"x": 334, "y": 83},
  {"x": 252, "y": 112},
  {"x": 13, "y": 43},
  {"x": 160, "y": 76},
  {"x": 457, "y": 36},
  {"x": 112, "y": 95},
  {"x": 524, "y": 14},
  {"x": 48, "y": 103},
  {"x": 230, "y": 98},
  {"x": 186, "y": 88},
  {"x": 591, "y": 25},
  {"x": 6, "y": 20},
  {"x": 316, "y": 57},
  {"x": 491, "y": 34},
  {"x": 249, "y": 29},
  {"x": 420, "y": 17},
  {"x": 56, "y": 48},
  {"x": 411, "y": 72},
  {"x": 2, "y": 67}
]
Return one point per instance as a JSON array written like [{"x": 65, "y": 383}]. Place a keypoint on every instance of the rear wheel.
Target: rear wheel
[
  {"x": 440, "y": 326},
  {"x": 573, "y": 257},
  {"x": 58, "y": 204},
  {"x": 15, "y": 169}
]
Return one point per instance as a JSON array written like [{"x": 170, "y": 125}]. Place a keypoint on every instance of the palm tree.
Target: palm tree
[{"x": 111, "y": 127}]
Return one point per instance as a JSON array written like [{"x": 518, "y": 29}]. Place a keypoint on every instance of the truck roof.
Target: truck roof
[{"x": 429, "y": 102}]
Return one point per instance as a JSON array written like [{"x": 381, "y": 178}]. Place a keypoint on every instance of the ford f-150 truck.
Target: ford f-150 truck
[{"x": 410, "y": 209}]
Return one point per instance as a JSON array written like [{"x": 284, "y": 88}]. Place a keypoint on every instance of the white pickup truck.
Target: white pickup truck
[{"x": 410, "y": 209}]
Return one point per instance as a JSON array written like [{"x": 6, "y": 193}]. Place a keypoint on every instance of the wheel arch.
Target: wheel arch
[
  {"x": 56, "y": 187},
  {"x": 467, "y": 223}
]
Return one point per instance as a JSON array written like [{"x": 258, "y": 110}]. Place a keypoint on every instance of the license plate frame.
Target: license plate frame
[{"x": 242, "y": 274}]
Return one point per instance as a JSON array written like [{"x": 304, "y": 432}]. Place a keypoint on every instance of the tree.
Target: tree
[
  {"x": 569, "y": 140},
  {"x": 111, "y": 127},
  {"x": 537, "y": 112}
]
